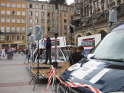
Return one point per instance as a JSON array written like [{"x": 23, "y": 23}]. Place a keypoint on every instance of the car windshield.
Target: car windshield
[{"x": 112, "y": 47}]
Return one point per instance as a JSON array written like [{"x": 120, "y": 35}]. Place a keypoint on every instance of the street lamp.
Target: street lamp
[
  {"x": 55, "y": 63},
  {"x": 71, "y": 32}
]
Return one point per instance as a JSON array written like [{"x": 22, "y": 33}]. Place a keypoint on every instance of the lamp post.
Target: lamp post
[
  {"x": 71, "y": 33},
  {"x": 55, "y": 63}
]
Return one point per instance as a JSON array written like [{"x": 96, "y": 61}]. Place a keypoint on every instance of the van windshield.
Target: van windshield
[{"x": 112, "y": 47}]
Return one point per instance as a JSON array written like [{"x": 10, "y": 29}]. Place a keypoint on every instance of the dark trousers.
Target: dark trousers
[{"x": 48, "y": 56}]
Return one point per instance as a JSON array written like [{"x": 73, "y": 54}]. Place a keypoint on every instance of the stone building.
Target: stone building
[
  {"x": 13, "y": 23},
  {"x": 50, "y": 19},
  {"x": 95, "y": 16}
]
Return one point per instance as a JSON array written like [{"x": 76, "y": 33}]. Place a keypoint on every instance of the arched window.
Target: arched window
[
  {"x": 102, "y": 5},
  {"x": 118, "y": 2}
]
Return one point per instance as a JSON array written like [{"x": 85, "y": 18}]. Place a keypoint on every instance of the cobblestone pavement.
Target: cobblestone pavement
[{"x": 14, "y": 77}]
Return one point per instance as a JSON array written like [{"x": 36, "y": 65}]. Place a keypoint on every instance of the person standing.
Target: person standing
[
  {"x": 76, "y": 56},
  {"x": 48, "y": 50},
  {"x": 3, "y": 54}
]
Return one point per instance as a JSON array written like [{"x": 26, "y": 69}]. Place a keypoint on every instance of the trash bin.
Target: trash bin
[{"x": 9, "y": 56}]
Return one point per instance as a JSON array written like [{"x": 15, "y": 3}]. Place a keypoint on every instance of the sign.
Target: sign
[
  {"x": 61, "y": 42},
  {"x": 38, "y": 32},
  {"x": 113, "y": 15},
  {"x": 89, "y": 42}
]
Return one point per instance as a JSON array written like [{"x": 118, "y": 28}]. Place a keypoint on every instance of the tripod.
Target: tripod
[{"x": 37, "y": 77}]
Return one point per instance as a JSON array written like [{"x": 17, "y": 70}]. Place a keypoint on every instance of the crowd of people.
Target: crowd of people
[{"x": 7, "y": 53}]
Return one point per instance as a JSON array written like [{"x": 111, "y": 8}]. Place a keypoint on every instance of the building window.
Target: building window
[
  {"x": 42, "y": 6},
  {"x": 18, "y": 13},
  {"x": 8, "y": 12},
  {"x": 13, "y": 5},
  {"x": 118, "y": 2},
  {"x": 2, "y": 12},
  {"x": 30, "y": 13},
  {"x": 18, "y": 29},
  {"x": 65, "y": 15},
  {"x": 3, "y": 20},
  {"x": 23, "y": 13},
  {"x": 36, "y": 13},
  {"x": 37, "y": 6},
  {"x": 23, "y": 20},
  {"x": 18, "y": 21},
  {"x": 31, "y": 21},
  {"x": 30, "y": 6},
  {"x": 13, "y": 12},
  {"x": 3, "y": 4},
  {"x": 8, "y": 5},
  {"x": 23, "y": 6},
  {"x": 42, "y": 14},
  {"x": 13, "y": 20},
  {"x": 2, "y": 29},
  {"x": 7, "y": 29},
  {"x": 8, "y": 20},
  {"x": 13, "y": 29},
  {"x": 23, "y": 29},
  {"x": 65, "y": 27},
  {"x": 48, "y": 29},
  {"x": 65, "y": 21},
  {"x": 48, "y": 14},
  {"x": 18, "y": 5},
  {"x": 23, "y": 37},
  {"x": 7, "y": 38},
  {"x": 18, "y": 38}
]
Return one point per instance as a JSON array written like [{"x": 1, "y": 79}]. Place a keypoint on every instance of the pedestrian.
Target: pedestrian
[
  {"x": 76, "y": 56},
  {"x": 48, "y": 49},
  {"x": 3, "y": 54},
  {"x": 0, "y": 53}
]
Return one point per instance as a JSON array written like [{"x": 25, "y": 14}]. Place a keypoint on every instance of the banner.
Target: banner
[
  {"x": 38, "y": 32},
  {"x": 113, "y": 15}
]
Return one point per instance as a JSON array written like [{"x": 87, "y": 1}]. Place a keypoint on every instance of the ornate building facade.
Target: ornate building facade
[{"x": 95, "y": 16}]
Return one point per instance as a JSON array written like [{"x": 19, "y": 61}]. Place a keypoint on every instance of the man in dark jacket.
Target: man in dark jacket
[
  {"x": 76, "y": 56},
  {"x": 48, "y": 50}
]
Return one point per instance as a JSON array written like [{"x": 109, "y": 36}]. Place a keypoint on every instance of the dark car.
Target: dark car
[{"x": 103, "y": 72}]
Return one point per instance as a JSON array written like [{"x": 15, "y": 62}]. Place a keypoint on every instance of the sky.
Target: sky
[{"x": 68, "y": 1}]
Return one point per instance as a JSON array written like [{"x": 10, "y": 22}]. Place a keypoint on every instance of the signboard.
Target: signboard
[
  {"x": 61, "y": 42},
  {"x": 113, "y": 15},
  {"x": 89, "y": 42},
  {"x": 38, "y": 32}
]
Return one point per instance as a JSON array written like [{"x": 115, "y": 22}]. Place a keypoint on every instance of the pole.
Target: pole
[
  {"x": 56, "y": 63},
  {"x": 38, "y": 62},
  {"x": 28, "y": 53}
]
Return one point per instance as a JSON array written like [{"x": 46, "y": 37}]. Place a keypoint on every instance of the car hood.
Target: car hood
[{"x": 107, "y": 76}]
